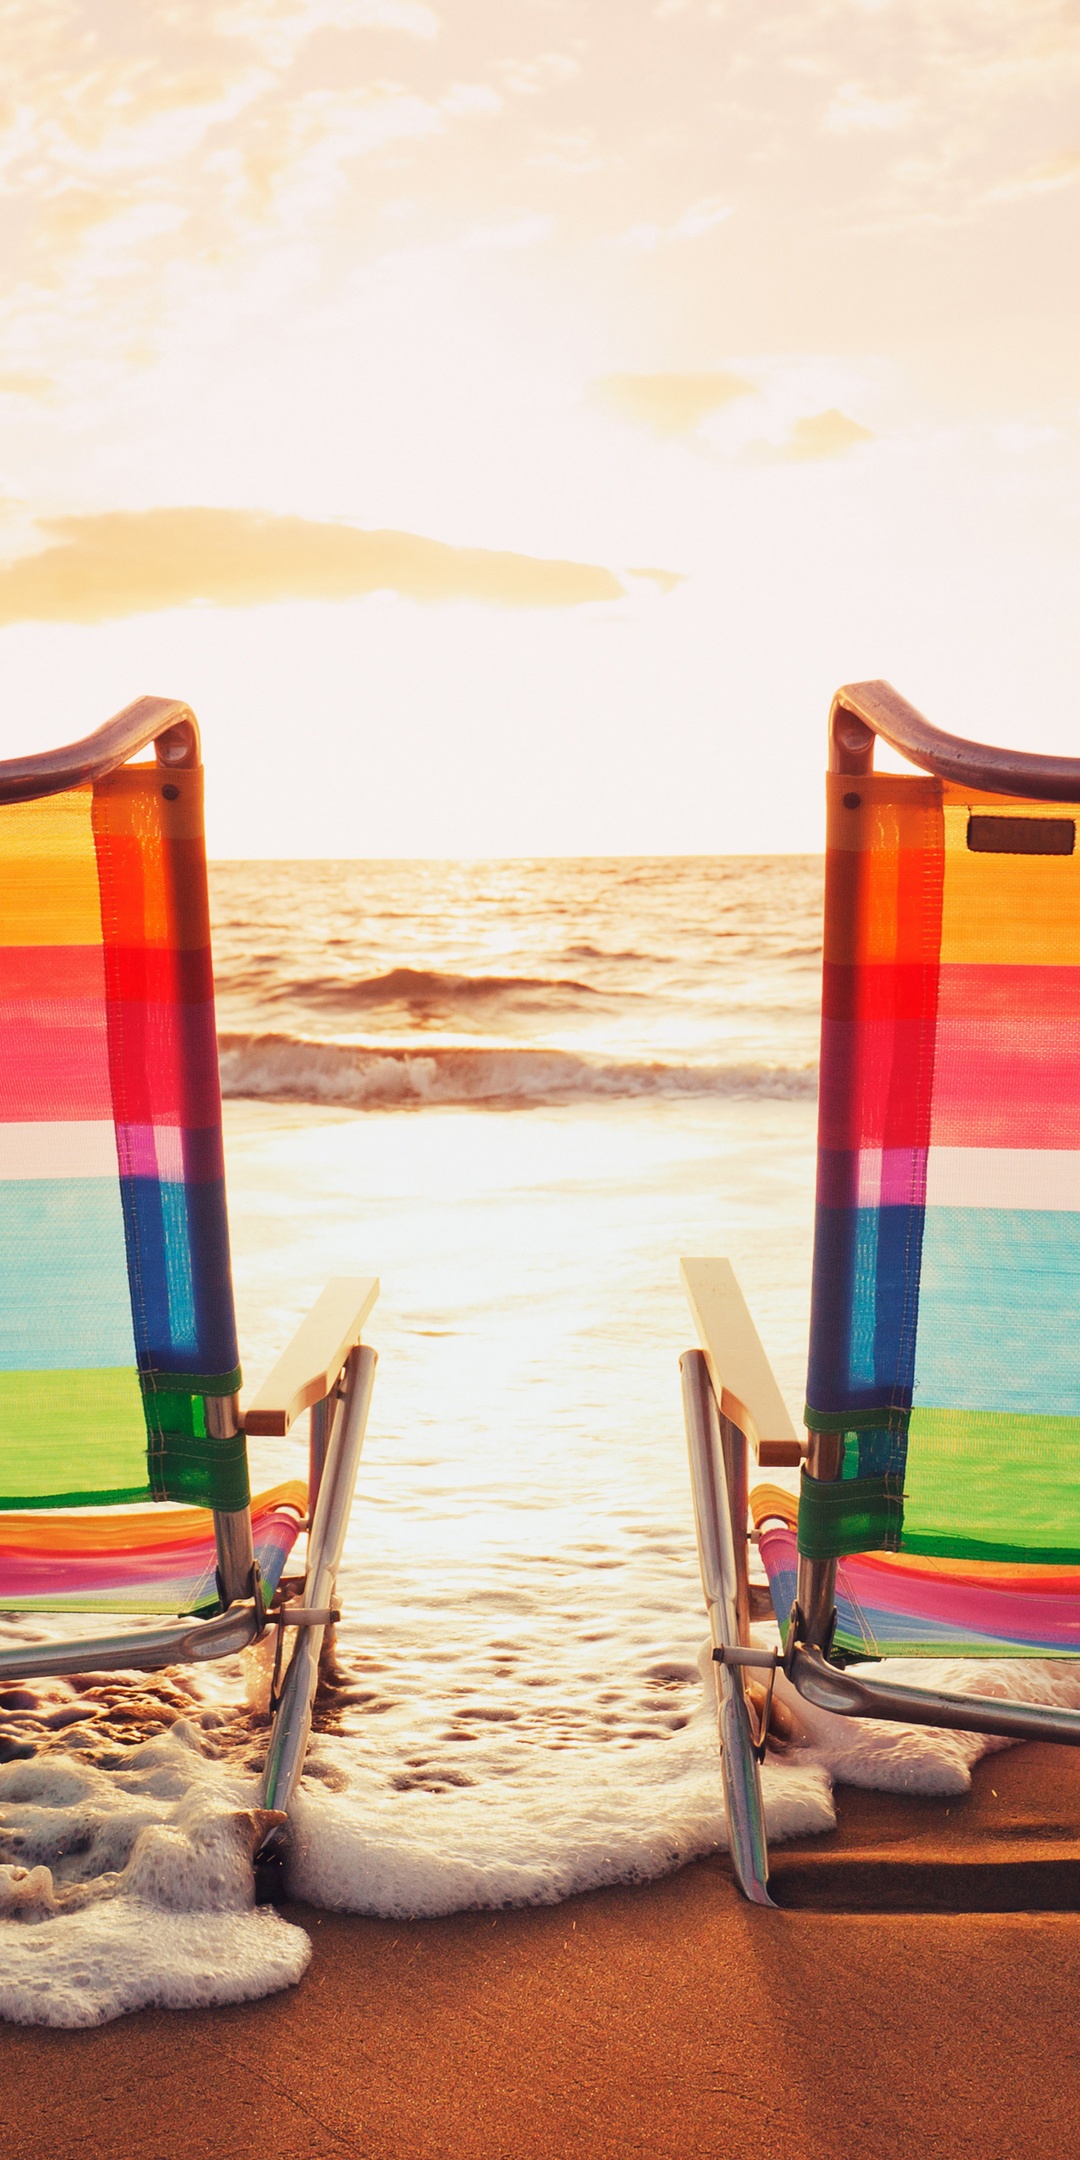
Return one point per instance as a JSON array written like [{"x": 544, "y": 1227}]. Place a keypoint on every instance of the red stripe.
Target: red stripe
[
  {"x": 51, "y": 971},
  {"x": 1009, "y": 995},
  {"x": 161, "y": 975},
  {"x": 878, "y": 991}
]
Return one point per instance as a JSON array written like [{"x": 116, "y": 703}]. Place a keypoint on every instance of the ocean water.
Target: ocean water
[{"x": 517, "y": 1092}]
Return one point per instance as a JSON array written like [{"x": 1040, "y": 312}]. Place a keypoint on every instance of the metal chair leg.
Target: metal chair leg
[
  {"x": 326, "y": 1538},
  {"x": 717, "y": 1536}
]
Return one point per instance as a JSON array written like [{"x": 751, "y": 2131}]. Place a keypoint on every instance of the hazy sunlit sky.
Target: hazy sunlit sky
[{"x": 507, "y": 421}]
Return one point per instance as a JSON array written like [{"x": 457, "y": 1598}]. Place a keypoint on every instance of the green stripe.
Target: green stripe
[
  {"x": 978, "y": 1485},
  {"x": 966, "y": 1548},
  {"x": 81, "y": 1439},
  {"x": 993, "y": 1485},
  {"x": 855, "y": 1650},
  {"x": 72, "y": 1439},
  {"x": 119, "y": 1496}
]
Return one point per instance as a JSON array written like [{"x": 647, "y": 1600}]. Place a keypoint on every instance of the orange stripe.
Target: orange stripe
[
  {"x": 1015, "y": 910},
  {"x": 134, "y": 1531},
  {"x": 48, "y": 872}
]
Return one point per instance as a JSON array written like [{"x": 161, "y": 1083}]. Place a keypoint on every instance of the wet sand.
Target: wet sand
[{"x": 669, "y": 2019}]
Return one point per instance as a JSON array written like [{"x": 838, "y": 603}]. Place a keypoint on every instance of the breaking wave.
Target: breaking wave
[
  {"x": 435, "y": 990},
  {"x": 294, "y": 1068}
]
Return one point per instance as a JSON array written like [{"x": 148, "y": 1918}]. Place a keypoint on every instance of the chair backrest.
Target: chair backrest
[
  {"x": 117, "y": 1331},
  {"x": 945, "y": 1330}
]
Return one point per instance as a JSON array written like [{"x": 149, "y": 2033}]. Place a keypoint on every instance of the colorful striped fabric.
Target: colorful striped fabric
[
  {"x": 116, "y": 1311},
  {"x": 945, "y": 1332},
  {"x": 895, "y": 1605},
  {"x": 160, "y": 1561}
]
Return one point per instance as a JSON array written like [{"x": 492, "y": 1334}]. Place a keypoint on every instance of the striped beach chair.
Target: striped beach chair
[
  {"x": 123, "y": 1451},
  {"x": 939, "y": 1503}
]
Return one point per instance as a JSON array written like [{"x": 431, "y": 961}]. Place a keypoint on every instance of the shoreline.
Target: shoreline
[{"x": 668, "y": 2019}]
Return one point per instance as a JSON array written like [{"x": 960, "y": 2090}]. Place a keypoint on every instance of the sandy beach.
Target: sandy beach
[{"x": 669, "y": 2019}]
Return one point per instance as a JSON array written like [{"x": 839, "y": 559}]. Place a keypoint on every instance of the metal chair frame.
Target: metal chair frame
[{"x": 731, "y": 1402}]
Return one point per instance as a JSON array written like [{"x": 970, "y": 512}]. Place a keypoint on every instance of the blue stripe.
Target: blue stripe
[
  {"x": 863, "y": 1310},
  {"x": 64, "y": 1303},
  {"x": 999, "y": 1313},
  {"x": 181, "y": 1278}
]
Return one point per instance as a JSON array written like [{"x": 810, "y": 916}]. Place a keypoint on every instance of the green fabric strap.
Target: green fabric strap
[
  {"x": 856, "y": 1420},
  {"x": 200, "y": 1472},
  {"x": 194, "y": 1383},
  {"x": 849, "y": 1515},
  {"x": 186, "y": 1462}
]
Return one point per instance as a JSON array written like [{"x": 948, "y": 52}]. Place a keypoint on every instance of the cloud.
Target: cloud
[
  {"x": 821, "y": 435},
  {"x": 670, "y": 404},
  {"x": 130, "y": 562},
  {"x": 279, "y": 27},
  {"x": 530, "y": 78},
  {"x": 1045, "y": 178},
  {"x": 463, "y": 99},
  {"x": 856, "y": 111},
  {"x": 525, "y": 229},
  {"x": 23, "y": 383},
  {"x": 665, "y": 579},
  {"x": 700, "y": 218}
]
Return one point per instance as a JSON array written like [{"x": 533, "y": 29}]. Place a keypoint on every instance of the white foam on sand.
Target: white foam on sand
[
  {"x": 924, "y": 1758},
  {"x": 571, "y": 1825},
  {"x": 627, "y": 1818},
  {"x": 130, "y": 1889},
  {"x": 130, "y": 1886}
]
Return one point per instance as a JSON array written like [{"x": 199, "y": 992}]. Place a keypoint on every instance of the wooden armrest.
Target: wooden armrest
[
  {"x": 307, "y": 1370},
  {"x": 740, "y": 1372}
]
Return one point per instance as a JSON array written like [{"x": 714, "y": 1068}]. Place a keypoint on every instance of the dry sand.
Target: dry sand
[{"x": 665, "y": 2020}]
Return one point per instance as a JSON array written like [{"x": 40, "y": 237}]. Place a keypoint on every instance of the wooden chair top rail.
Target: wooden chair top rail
[
  {"x": 742, "y": 1377},
  {"x": 309, "y": 1368},
  {"x": 166, "y": 722},
  {"x": 862, "y": 710}
]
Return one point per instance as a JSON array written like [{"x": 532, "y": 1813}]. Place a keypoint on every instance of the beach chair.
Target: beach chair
[
  {"x": 123, "y": 1458},
  {"x": 939, "y": 1503}
]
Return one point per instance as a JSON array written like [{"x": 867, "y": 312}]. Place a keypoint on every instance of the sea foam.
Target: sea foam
[
  {"x": 130, "y": 1887},
  {"x": 298, "y": 1068}
]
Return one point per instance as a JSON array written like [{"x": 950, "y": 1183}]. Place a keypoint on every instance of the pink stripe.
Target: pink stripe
[
  {"x": 1049, "y": 1617},
  {"x": 1007, "y": 1058},
  {"x": 33, "y": 1574},
  {"x": 969, "y": 1608},
  {"x": 996, "y": 1088},
  {"x": 177, "y": 1568},
  {"x": 54, "y": 1062}
]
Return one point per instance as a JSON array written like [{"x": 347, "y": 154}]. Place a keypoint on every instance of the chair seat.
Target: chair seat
[
  {"x": 156, "y": 1560},
  {"x": 901, "y": 1605}
]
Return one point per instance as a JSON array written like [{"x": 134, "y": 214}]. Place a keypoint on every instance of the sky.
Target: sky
[{"x": 507, "y": 422}]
